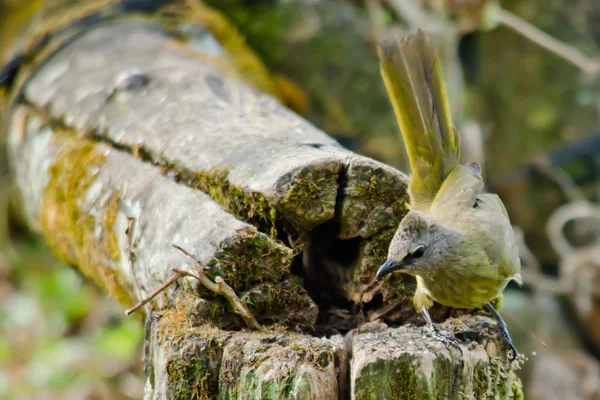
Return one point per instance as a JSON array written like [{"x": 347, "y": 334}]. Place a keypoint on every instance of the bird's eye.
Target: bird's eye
[{"x": 419, "y": 251}]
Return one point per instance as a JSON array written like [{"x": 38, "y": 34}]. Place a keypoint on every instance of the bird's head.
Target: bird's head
[{"x": 419, "y": 242}]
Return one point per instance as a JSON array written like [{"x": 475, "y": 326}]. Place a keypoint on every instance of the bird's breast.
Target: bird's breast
[{"x": 458, "y": 292}]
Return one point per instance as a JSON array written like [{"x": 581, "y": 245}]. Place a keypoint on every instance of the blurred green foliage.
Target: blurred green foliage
[{"x": 61, "y": 337}]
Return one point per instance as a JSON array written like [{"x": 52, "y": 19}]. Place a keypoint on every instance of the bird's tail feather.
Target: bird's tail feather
[{"x": 411, "y": 72}]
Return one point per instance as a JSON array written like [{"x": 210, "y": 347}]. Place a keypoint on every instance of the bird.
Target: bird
[{"x": 456, "y": 240}]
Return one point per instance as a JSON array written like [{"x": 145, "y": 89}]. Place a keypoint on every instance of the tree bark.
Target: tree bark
[{"x": 127, "y": 140}]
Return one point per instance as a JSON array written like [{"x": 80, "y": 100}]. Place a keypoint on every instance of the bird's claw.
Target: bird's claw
[
  {"x": 514, "y": 353},
  {"x": 447, "y": 340},
  {"x": 504, "y": 332}
]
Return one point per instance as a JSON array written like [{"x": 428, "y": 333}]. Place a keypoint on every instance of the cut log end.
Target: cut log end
[{"x": 373, "y": 362}]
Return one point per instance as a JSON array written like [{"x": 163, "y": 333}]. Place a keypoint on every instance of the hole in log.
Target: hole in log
[{"x": 325, "y": 265}]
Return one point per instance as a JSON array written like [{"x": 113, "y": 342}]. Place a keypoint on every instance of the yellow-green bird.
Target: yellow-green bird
[{"x": 456, "y": 240}]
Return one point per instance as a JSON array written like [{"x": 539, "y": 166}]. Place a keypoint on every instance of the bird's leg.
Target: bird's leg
[
  {"x": 447, "y": 340},
  {"x": 503, "y": 331}
]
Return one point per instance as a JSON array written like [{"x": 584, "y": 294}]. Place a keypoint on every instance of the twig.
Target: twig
[
  {"x": 222, "y": 288},
  {"x": 178, "y": 274},
  {"x": 588, "y": 65},
  {"x": 218, "y": 287}
]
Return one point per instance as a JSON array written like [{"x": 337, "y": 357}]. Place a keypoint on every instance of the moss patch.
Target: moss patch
[
  {"x": 373, "y": 199},
  {"x": 286, "y": 303},
  {"x": 310, "y": 195},
  {"x": 275, "y": 366},
  {"x": 75, "y": 233},
  {"x": 251, "y": 207},
  {"x": 193, "y": 355},
  {"x": 396, "y": 379},
  {"x": 249, "y": 258},
  {"x": 396, "y": 288}
]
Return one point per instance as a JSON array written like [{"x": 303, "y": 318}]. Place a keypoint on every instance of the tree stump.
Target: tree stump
[{"x": 130, "y": 137}]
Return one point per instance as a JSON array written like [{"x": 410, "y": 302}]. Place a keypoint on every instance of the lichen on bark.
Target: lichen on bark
[{"x": 77, "y": 235}]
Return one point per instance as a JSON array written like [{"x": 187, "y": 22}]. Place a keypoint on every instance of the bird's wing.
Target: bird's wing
[
  {"x": 461, "y": 204},
  {"x": 459, "y": 190},
  {"x": 504, "y": 252}
]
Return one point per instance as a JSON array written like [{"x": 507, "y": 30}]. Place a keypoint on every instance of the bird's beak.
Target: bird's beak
[{"x": 389, "y": 266}]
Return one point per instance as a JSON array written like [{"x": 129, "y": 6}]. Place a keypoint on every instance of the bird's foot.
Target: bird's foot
[
  {"x": 447, "y": 340},
  {"x": 504, "y": 332},
  {"x": 508, "y": 342}
]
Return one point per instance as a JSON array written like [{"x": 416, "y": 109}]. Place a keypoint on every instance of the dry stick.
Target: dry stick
[
  {"x": 219, "y": 287},
  {"x": 162, "y": 287},
  {"x": 222, "y": 288},
  {"x": 586, "y": 64}
]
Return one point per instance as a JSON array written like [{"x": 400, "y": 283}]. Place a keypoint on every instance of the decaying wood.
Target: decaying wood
[
  {"x": 180, "y": 112},
  {"x": 397, "y": 362},
  {"x": 123, "y": 118}
]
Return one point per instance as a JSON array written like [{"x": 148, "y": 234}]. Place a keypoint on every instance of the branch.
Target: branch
[
  {"x": 222, "y": 288},
  {"x": 178, "y": 274},
  {"x": 590, "y": 66}
]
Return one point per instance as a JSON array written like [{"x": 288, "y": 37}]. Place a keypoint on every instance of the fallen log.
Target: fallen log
[{"x": 126, "y": 140}]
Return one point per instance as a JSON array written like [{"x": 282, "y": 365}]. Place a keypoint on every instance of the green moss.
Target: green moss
[
  {"x": 70, "y": 230},
  {"x": 189, "y": 377},
  {"x": 373, "y": 199},
  {"x": 111, "y": 241},
  {"x": 273, "y": 366},
  {"x": 286, "y": 302},
  {"x": 251, "y": 207},
  {"x": 248, "y": 258},
  {"x": 312, "y": 197},
  {"x": 517, "y": 389},
  {"x": 192, "y": 354},
  {"x": 481, "y": 380},
  {"x": 440, "y": 386},
  {"x": 397, "y": 288},
  {"x": 391, "y": 380},
  {"x": 273, "y": 389}
]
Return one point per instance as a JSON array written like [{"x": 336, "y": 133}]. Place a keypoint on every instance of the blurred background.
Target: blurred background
[{"x": 524, "y": 83}]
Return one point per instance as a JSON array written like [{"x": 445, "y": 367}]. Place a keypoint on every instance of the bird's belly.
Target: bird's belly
[{"x": 470, "y": 294}]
